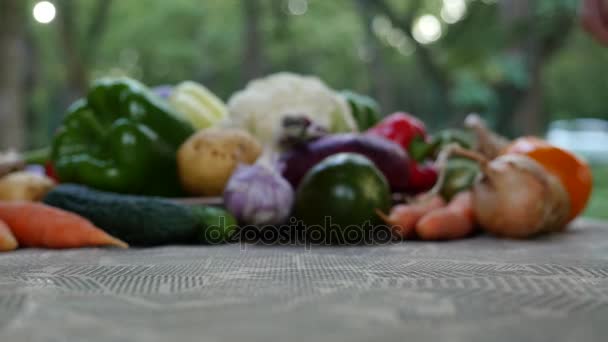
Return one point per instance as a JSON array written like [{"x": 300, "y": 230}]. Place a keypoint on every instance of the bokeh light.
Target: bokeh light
[
  {"x": 44, "y": 12},
  {"x": 297, "y": 7},
  {"x": 453, "y": 11},
  {"x": 381, "y": 25},
  {"x": 427, "y": 29}
]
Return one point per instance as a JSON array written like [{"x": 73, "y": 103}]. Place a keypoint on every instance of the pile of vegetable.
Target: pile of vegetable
[{"x": 133, "y": 166}]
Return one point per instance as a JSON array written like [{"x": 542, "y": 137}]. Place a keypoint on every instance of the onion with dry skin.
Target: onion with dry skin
[
  {"x": 517, "y": 198},
  {"x": 573, "y": 172}
]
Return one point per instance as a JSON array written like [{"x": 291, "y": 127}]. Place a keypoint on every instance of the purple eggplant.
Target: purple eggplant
[{"x": 388, "y": 156}]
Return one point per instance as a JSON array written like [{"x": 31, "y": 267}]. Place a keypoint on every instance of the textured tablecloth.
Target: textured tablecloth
[{"x": 482, "y": 289}]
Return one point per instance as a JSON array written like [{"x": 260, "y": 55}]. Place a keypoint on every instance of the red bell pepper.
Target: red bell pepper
[
  {"x": 422, "y": 177},
  {"x": 401, "y": 128},
  {"x": 49, "y": 169}
]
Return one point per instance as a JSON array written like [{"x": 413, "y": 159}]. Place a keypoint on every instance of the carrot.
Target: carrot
[
  {"x": 403, "y": 217},
  {"x": 7, "y": 239},
  {"x": 455, "y": 221},
  {"x": 39, "y": 225}
]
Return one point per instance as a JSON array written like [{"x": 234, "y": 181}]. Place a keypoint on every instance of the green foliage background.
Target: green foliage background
[{"x": 162, "y": 42}]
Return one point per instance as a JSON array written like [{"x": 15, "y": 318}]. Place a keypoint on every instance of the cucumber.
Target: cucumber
[
  {"x": 220, "y": 225},
  {"x": 138, "y": 220}
]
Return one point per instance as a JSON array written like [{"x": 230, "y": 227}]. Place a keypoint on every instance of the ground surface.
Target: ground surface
[{"x": 483, "y": 289}]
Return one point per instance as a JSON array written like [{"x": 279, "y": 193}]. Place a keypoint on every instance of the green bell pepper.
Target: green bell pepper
[{"x": 120, "y": 138}]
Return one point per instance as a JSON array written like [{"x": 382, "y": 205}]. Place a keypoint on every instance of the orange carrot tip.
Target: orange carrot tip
[{"x": 114, "y": 242}]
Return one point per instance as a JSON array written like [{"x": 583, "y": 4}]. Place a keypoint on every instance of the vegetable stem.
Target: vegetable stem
[
  {"x": 442, "y": 161},
  {"x": 489, "y": 143},
  {"x": 475, "y": 156}
]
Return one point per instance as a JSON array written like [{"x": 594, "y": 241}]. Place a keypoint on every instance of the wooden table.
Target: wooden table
[{"x": 482, "y": 289}]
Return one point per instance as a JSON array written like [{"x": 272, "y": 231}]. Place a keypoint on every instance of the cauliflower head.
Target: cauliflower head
[{"x": 262, "y": 105}]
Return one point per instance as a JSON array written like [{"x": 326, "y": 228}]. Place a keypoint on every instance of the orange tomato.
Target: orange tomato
[{"x": 573, "y": 172}]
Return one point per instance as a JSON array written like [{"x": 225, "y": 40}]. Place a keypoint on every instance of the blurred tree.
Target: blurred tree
[
  {"x": 490, "y": 61},
  {"x": 252, "y": 39},
  {"x": 373, "y": 55},
  {"x": 12, "y": 70},
  {"x": 536, "y": 42},
  {"x": 426, "y": 58},
  {"x": 80, "y": 48},
  {"x": 575, "y": 83},
  {"x": 528, "y": 35}
]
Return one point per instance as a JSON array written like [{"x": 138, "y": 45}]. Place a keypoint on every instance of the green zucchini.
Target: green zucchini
[{"x": 142, "y": 221}]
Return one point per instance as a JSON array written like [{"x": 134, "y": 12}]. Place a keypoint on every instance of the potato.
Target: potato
[
  {"x": 24, "y": 186},
  {"x": 207, "y": 159}
]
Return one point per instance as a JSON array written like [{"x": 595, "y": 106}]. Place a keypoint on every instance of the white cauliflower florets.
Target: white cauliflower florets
[{"x": 262, "y": 105}]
